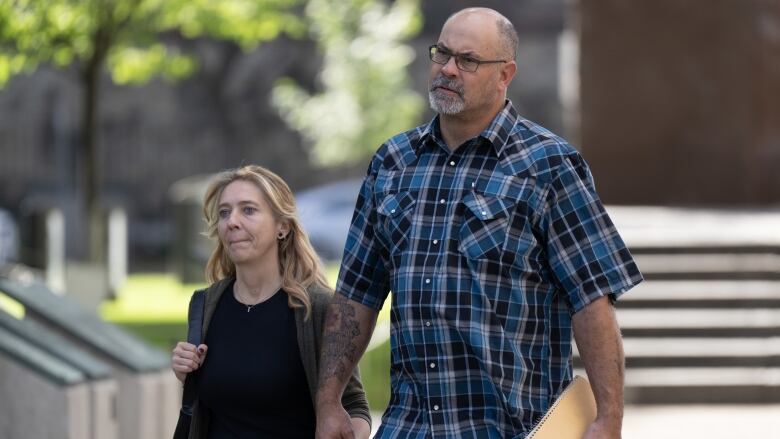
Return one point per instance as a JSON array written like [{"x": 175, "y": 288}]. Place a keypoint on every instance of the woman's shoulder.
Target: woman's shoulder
[
  {"x": 319, "y": 295},
  {"x": 316, "y": 289},
  {"x": 219, "y": 286},
  {"x": 213, "y": 291}
]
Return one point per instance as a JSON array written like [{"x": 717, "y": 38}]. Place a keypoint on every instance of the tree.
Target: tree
[
  {"x": 130, "y": 39},
  {"x": 365, "y": 96}
]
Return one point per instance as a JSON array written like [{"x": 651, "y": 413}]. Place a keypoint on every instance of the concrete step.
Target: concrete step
[
  {"x": 711, "y": 385},
  {"x": 700, "y": 352},
  {"x": 646, "y": 227},
  {"x": 726, "y": 266},
  {"x": 665, "y": 322},
  {"x": 703, "y": 294},
  {"x": 701, "y": 385}
]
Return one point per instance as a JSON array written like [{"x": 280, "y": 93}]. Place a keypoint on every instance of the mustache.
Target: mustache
[{"x": 441, "y": 81}]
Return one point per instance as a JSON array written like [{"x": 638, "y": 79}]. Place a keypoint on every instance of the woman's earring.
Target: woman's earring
[{"x": 280, "y": 236}]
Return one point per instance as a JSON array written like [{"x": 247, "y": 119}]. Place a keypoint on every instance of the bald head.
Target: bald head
[{"x": 506, "y": 35}]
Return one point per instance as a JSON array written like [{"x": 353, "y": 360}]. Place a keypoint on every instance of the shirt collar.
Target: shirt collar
[{"x": 497, "y": 132}]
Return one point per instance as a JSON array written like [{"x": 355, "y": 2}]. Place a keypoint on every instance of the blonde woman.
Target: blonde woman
[{"x": 263, "y": 314}]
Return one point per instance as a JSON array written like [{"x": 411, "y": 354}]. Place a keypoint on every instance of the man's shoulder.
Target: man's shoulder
[
  {"x": 532, "y": 148},
  {"x": 397, "y": 150}
]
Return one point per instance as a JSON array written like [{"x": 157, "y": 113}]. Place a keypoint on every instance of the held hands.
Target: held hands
[
  {"x": 186, "y": 358},
  {"x": 333, "y": 422}
]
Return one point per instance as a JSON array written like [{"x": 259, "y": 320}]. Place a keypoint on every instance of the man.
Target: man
[{"x": 488, "y": 230}]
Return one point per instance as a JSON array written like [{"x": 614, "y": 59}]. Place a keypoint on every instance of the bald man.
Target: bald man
[{"x": 488, "y": 230}]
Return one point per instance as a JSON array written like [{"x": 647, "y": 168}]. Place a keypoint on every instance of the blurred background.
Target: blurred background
[{"x": 115, "y": 113}]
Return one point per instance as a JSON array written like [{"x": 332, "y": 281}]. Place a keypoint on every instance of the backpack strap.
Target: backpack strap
[{"x": 194, "y": 332}]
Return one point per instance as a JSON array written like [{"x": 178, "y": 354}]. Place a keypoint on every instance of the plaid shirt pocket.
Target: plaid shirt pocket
[
  {"x": 484, "y": 226},
  {"x": 395, "y": 221}
]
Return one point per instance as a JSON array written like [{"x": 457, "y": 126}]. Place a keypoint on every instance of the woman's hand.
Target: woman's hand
[{"x": 186, "y": 358}]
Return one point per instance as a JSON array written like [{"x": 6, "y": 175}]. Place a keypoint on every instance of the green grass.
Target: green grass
[
  {"x": 150, "y": 298},
  {"x": 153, "y": 306},
  {"x": 11, "y": 306}
]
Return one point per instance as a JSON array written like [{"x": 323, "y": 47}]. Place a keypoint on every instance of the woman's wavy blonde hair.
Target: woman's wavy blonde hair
[{"x": 299, "y": 265}]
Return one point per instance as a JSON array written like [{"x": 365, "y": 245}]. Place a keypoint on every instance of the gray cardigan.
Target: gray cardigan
[{"x": 309, "y": 342}]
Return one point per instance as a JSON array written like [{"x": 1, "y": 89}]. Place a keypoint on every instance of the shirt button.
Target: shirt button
[
  {"x": 435, "y": 241},
  {"x": 452, "y": 163},
  {"x": 433, "y": 365},
  {"x": 427, "y": 323},
  {"x": 484, "y": 213},
  {"x": 436, "y": 407},
  {"x": 473, "y": 184},
  {"x": 441, "y": 201},
  {"x": 427, "y": 281},
  {"x": 392, "y": 211}
]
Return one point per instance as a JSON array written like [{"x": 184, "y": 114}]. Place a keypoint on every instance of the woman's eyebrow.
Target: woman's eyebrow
[{"x": 240, "y": 203}]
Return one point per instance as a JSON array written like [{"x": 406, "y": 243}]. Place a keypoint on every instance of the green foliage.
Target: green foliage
[
  {"x": 128, "y": 33},
  {"x": 365, "y": 95}
]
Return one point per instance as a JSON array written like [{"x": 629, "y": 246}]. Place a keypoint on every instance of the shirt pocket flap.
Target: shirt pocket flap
[
  {"x": 394, "y": 204},
  {"x": 487, "y": 207}
]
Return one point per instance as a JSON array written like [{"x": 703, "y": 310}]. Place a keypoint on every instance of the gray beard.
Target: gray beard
[{"x": 445, "y": 105}]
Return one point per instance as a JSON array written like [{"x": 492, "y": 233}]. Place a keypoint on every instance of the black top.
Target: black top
[{"x": 252, "y": 382}]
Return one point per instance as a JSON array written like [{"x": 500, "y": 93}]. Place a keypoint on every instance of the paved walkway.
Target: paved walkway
[
  {"x": 702, "y": 421},
  {"x": 695, "y": 421}
]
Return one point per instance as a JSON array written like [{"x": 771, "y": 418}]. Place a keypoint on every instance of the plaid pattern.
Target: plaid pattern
[{"x": 488, "y": 251}]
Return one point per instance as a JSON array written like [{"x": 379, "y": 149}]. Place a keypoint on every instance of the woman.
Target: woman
[{"x": 262, "y": 319}]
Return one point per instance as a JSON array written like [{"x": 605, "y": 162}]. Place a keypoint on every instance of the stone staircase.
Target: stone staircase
[
  {"x": 702, "y": 341},
  {"x": 702, "y": 336},
  {"x": 704, "y": 326}
]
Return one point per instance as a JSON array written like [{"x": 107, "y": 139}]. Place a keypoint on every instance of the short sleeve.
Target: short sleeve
[
  {"x": 586, "y": 254},
  {"x": 363, "y": 276}
]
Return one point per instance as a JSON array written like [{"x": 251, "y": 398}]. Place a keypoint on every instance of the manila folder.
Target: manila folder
[{"x": 570, "y": 415}]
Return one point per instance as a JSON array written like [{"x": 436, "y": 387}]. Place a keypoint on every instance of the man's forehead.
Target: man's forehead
[{"x": 468, "y": 33}]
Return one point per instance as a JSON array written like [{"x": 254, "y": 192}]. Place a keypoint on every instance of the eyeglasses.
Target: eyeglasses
[{"x": 465, "y": 63}]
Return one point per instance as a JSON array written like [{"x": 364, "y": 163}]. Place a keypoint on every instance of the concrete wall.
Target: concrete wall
[
  {"x": 33, "y": 407},
  {"x": 681, "y": 100},
  {"x": 141, "y": 399},
  {"x": 149, "y": 404},
  {"x": 103, "y": 398},
  {"x": 169, "y": 394}
]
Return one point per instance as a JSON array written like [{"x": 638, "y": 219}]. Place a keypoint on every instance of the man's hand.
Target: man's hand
[
  {"x": 603, "y": 429},
  {"x": 333, "y": 422},
  {"x": 601, "y": 351}
]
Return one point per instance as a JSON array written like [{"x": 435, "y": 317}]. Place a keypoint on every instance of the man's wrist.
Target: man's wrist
[
  {"x": 610, "y": 420},
  {"x": 326, "y": 401}
]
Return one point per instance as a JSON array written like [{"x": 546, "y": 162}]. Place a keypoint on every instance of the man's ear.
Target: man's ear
[{"x": 508, "y": 70}]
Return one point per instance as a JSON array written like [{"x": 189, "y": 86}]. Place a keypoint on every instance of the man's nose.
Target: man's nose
[{"x": 450, "y": 68}]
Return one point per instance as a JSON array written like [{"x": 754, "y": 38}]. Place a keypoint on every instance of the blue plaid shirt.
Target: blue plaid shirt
[{"x": 488, "y": 250}]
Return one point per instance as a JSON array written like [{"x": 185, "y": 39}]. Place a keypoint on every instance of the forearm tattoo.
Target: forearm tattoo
[{"x": 339, "y": 351}]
